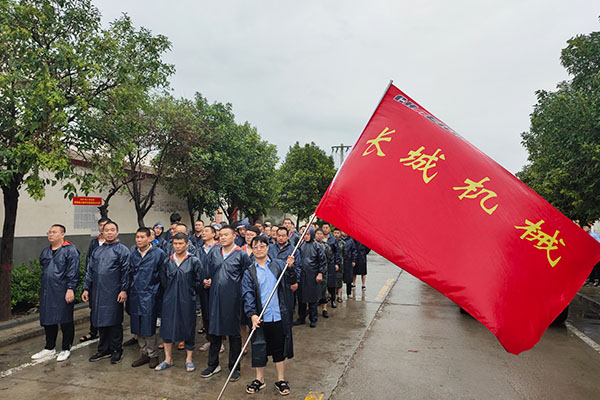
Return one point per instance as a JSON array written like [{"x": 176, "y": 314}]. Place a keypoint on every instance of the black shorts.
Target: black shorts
[{"x": 274, "y": 337}]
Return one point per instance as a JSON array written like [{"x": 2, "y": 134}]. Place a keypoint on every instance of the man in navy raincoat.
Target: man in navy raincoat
[
  {"x": 95, "y": 242},
  {"x": 209, "y": 234},
  {"x": 273, "y": 336},
  {"x": 106, "y": 283},
  {"x": 181, "y": 275},
  {"x": 146, "y": 261},
  {"x": 60, "y": 277},
  {"x": 349, "y": 263},
  {"x": 361, "y": 263},
  {"x": 281, "y": 250},
  {"x": 225, "y": 265},
  {"x": 314, "y": 264},
  {"x": 293, "y": 236},
  {"x": 168, "y": 246}
]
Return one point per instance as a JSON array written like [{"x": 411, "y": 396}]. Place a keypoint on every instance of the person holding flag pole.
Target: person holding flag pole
[{"x": 264, "y": 308}]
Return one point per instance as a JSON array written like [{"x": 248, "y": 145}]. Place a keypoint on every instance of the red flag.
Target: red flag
[{"x": 420, "y": 195}]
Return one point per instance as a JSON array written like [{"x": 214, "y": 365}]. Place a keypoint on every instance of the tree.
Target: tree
[
  {"x": 304, "y": 175},
  {"x": 244, "y": 170},
  {"x": 189, "y": 173},
  {"x": 58, "y": 68},
  {"x": 564, "y": 137}
]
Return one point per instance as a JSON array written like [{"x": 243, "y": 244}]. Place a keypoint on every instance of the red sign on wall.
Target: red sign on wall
[{"x": 87, "y": 201}]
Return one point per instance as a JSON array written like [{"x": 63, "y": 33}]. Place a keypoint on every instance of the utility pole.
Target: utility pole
[{"x": 341, "y": 149}]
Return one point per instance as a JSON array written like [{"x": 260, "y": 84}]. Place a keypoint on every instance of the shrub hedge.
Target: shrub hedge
[{"x": 25, "y": 285}]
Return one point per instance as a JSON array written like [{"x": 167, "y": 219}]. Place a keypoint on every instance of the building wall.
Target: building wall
[{"x": 35, "y": 217}]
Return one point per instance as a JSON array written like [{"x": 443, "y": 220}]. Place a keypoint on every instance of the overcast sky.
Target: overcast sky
[{"x": 315, "y": 70}]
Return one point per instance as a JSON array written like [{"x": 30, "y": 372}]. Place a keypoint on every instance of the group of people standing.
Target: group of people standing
[{"x": 225, "y": 273}]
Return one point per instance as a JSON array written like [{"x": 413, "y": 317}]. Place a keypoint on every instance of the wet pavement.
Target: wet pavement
[
  {"x": 398, "y": 339},
  {"x": 432, "y": 351}
]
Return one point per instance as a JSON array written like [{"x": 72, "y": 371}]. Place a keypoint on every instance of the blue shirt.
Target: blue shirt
[
  {"x": 592, "y": 234},
  {"x": 266, "y": 283}
]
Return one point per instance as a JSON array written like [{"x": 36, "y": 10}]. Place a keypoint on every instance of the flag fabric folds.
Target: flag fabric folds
[{"x": 423, "y": 197}]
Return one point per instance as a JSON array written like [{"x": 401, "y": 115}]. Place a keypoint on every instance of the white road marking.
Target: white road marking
[
  {"x": 583, "y": 337},
  {"x": 21, "y": 367}
]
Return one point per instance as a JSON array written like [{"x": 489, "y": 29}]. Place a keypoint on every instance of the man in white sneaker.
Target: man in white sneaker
[{"x": 60, "y": 277}]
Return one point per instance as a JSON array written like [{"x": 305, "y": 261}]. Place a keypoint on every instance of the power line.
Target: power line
[{"x": 341, "y": 149}]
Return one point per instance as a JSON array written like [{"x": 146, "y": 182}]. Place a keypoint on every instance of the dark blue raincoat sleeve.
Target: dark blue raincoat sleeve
[
  {"x": 298, "y": 263},
  {"x": 352, "y": 250},
  {"x": 163, "y": 273},
  {"x": 73, "y": 276},
  {"x": 249, "y": 295},
  {"x": 125, "y": 268},
  {"x": 198, "y": 274},
  {"x": 322, "y": 260},
  {"x": 290, "y": 275},
  {"x": 336, "y": 253},
  {"x": 246, "y": 261},
  {"x": 89, "y": 275}
]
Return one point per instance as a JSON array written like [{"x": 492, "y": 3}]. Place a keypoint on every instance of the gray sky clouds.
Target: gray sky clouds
[{"x": 315, "y": 70}]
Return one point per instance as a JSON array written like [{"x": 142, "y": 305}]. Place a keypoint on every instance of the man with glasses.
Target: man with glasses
[
  {"x": 60, "y": 277},
  {"x": 273, "y": 336}
]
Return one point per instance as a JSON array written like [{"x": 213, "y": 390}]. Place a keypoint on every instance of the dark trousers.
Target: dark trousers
[
  {"x": 595, "y": 274},
  {"x": 312, "y": 311},
  {"x": 235, "y": 348},
  {"x": 349, "y": 289},
  {"x": 68, "y": 332},
  {"x": 93, "y": 329},
  {"x": 332, "y": 293},
  {"x": 111, "y": 339}
]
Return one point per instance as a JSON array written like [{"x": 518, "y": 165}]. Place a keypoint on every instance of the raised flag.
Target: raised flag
[{"x": 423, "y": 197}]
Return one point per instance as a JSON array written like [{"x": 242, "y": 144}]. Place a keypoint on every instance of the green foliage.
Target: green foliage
[
  {"x": 305, "y": 175},
  {"x": 244, "y": 170},
  {"x": 25, "y": 286},
  {"x": 232, "y": 166},
  {"x": 26, "y": 281},
  {"x": 59, "y": 71},
  {"x": 564, "y": 138},
  {"x": 196, "y": 126}
]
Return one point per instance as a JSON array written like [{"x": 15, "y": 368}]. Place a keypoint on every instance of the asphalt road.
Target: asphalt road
[{"x": 398, "y": 340}]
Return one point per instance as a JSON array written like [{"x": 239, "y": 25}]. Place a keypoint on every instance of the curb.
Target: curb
[
  {"x": 31, "y": 318},
  {"x": 594, "y": 304},
  {"x": 37, "y": 330}
]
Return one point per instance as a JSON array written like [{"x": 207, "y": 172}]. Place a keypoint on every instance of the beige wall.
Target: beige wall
[{"x": 34, "y": 217}]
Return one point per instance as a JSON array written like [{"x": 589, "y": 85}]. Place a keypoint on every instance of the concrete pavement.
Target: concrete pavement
[
  {"x": 434, "y": 352},
  {"x": 399, "y": 339}
]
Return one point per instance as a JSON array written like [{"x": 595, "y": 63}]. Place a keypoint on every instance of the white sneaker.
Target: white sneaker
[
  {"x": 42, "y": 354},
  {"x": 63, "y": 355}
]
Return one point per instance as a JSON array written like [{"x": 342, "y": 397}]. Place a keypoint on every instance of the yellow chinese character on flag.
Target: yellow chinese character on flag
[
  {"x": 375, "y": 145},
  {"x": 474, "y": 189},
  {"x": 544, "y": 241},
  {"x": 423, "y": 162}
]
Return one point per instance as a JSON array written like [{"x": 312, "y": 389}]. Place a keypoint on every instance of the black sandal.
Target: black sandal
[
  {"x": 86, "y": 337},
  {"x": 255, "y": 386},
  {"x": 282, "y": 386}
]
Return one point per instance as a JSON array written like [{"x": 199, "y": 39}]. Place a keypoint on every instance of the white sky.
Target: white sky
[{"x": 315, "y": 70}]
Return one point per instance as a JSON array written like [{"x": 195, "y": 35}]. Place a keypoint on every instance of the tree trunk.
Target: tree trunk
[
  {"x": 11, "y": 202},
  {"x": 191, "y": 211},
  {"x": 140, "y": 219}
]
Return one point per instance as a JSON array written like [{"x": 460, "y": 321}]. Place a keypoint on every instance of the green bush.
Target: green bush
[{"x": 25, "y": 285}]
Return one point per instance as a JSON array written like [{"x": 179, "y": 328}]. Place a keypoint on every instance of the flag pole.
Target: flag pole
[{"x": 312, "y": 218}]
